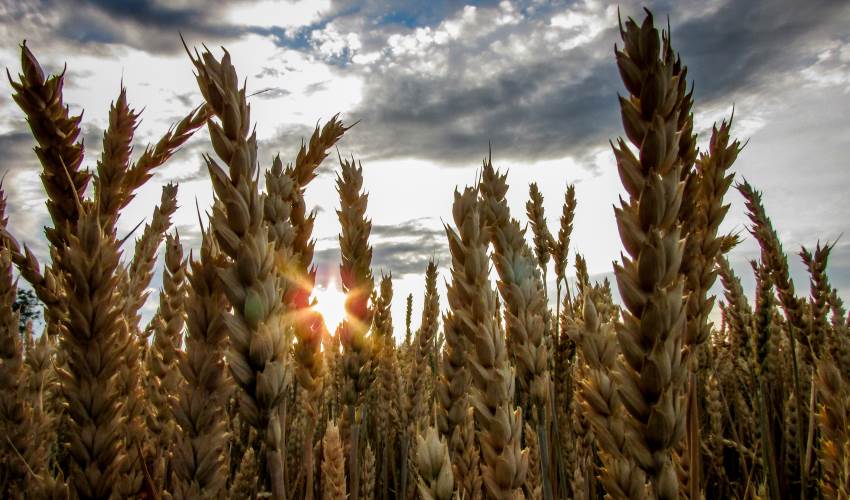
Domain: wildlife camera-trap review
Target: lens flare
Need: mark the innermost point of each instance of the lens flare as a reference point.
(330, 303)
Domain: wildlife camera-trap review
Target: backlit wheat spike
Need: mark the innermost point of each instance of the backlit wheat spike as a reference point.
(94, 326)
(22, 417)
(704, 245)
(302, 172)
(163, 376)
(199, 461)
(436, 481)
(820, 288)
(423, 367)
(473, 303)
(762, 327)
(297, 282)
(602, 405)
(762, 230)
(19, 451)
(739, 313)
(310, 158)
(114, 160)
(140, 272)
(542, 237)
(386, 411)
(333, 466)
(560, 249)
(56, 132)
(454, 377)
(277, 208)
(259, 336)
(521, 288)
(155, 156)
(357, 280)
(408, 317)
(132, 284)
(358, 284)
(652, 375)
(526, 313)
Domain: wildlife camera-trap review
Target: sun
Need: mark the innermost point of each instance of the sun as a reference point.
(330, 303)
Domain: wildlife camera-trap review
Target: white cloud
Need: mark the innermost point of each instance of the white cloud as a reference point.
(330, 43)
(832, 67)
(583, 22)
(276, 13)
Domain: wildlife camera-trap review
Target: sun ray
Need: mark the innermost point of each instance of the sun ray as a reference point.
(330, 303)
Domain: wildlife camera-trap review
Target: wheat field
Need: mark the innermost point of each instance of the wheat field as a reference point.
(239, 388)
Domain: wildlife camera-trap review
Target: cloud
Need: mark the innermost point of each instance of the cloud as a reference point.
(400, 249)
(743, 46)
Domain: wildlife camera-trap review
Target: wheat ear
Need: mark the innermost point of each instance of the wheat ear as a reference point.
(542, 237)
(94, 325)
(60, 152)
(259, 336)
(114, 160)
(163, 375)
(333, 466)
(154, 156)
(435, 470)
(474, 305)
(19, 453)
(651, 336)
(199, 462)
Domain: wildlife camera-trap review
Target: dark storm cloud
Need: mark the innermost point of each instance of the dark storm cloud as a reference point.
(746, 46)
(149, 13)
(548, 103)
(94, 25)
(407, 229)
(17, 150)
(522, 113)
(398, 258)
(403, 248)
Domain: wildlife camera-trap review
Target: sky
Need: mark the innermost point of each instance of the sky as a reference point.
(432, 84)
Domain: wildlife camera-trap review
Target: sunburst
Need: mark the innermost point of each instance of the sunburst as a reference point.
(330, 303)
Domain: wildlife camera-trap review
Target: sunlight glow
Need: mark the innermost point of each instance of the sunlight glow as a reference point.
(330, 303)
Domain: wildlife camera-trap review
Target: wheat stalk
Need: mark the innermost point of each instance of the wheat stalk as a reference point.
(358, 284)
(199, 462)
(56, 132)
(258, 333)
(94, 325)
(652, 333)
(473, 303)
